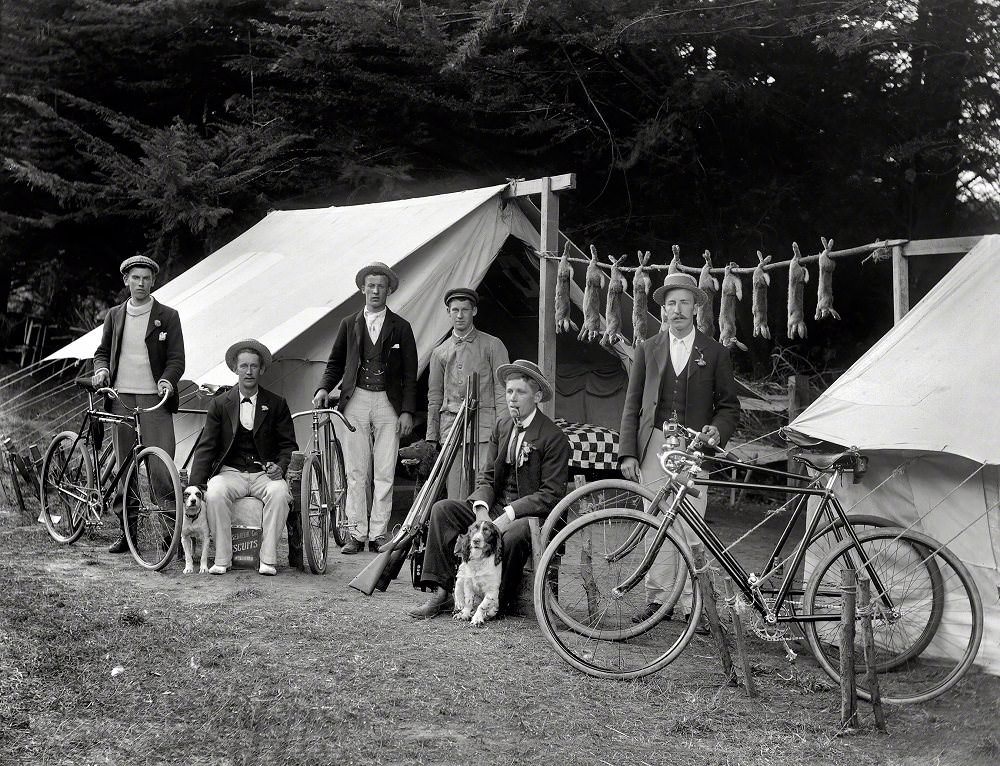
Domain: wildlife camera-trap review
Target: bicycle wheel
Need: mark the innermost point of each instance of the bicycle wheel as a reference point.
(618, 495)
(152, 503)
(65, 487)
(314, 507)
(336, 480)
(575, 581)
(930, 591)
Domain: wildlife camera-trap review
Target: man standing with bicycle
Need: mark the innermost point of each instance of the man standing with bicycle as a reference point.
(465, 351)
(374, 358)
(681, 376)
(244, 451)
(141, 354)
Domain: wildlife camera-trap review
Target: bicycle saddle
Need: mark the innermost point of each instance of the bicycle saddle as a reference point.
(849, 460)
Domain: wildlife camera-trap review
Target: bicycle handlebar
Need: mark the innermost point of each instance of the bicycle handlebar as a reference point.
(113, 394)
(327, 411)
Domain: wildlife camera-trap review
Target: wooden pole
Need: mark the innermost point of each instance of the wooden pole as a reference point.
(711, 610)
(848, 683)
(547, 268)
(868, 635)
(900, 284)
(798, 400)
(740, 638)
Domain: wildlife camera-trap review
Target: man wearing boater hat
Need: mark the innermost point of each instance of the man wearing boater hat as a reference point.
(465, 351)
(681, 376)
(141, 354)
(244, 451)
(524, 475)
(374, 358)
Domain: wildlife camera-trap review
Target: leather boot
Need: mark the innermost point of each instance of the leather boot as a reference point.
(439, 601)
(120, 545)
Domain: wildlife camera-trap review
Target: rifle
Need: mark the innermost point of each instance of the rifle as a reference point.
(384, 568)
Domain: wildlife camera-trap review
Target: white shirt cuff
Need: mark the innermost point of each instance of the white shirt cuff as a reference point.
(479, 504)
(509, 510)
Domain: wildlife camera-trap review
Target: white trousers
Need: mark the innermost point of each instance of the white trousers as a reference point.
(228, 486)
(371, 452)
(668, 566)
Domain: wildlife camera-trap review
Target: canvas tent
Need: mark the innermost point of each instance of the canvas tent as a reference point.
(289, 280)
(923, 405)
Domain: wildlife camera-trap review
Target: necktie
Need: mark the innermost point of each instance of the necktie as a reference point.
(678, 354)
(516, 431)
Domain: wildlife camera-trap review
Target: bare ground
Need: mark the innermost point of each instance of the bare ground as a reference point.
(301, 669)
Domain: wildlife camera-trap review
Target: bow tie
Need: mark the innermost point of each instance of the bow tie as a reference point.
(466, 339)
(246, 400)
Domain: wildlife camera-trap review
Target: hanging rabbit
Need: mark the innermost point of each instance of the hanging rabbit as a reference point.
(564, 276)
(824, 299)
(797, 278)
(732, 291)
(591, 329)
(710, 285)
(675, 262)
(640, 304)
(761, 281)
(613, 310)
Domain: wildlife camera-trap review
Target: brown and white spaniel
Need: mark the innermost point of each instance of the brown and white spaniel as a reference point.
(477, 585)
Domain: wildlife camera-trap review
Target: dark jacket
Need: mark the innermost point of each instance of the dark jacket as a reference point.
(164, 343)
(399, 355)
(273, 432)
(541, 481)
(711, 392)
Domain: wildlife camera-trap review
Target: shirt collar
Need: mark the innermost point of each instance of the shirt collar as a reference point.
(253, 399)
(527, 421)
(467, 338)
(370, 315)
(687, 339)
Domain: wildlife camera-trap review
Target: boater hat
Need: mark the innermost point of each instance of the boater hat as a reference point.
(139, 260)
(528, 369)
(253, 345)
(465, 293)
(377, 267)
(680, 282)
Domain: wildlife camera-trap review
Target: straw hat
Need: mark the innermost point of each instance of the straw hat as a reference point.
(680, 281)
(529, 369)
(253, 345)
(377, 267)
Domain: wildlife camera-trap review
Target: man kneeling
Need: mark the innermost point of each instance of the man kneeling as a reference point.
(244, 451)
(525, 475)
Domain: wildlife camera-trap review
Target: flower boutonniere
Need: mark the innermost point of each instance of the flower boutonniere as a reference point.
(526, 449)
(163, 336)
(156, 323)
(700, 359)
(263, 408)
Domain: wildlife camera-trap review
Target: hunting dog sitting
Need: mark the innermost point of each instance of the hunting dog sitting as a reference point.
(478, 582)
(194, 528)
(418, 458)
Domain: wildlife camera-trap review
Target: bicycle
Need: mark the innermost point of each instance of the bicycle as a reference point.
(322, 491)
(586, 587)
(74, 497)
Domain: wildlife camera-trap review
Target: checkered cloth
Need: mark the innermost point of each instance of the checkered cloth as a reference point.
(591, 447)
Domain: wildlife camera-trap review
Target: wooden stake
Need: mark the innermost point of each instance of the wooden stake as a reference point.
(707, 582)
(741, 640)
(868, 635)
(848, 683)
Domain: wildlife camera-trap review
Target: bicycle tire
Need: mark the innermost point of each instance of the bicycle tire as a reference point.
(314, 507)
(624, 494)
(895, 555)
(158, 509)
(337, 483)
(607, 616)
(59, 477)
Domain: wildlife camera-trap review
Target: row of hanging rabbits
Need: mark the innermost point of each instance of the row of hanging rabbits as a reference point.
(732, 292)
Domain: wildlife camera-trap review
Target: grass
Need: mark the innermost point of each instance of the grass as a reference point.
(302, 670)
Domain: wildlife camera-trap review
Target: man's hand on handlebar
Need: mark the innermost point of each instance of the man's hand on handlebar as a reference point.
(710, 435)
(630, 469)
(320, 399)
(100, 379)
(164, 388)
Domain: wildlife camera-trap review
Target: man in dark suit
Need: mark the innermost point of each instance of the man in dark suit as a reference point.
(244, 451)
(680, 376)
(374, 358)
(141, 354)
(525, 475)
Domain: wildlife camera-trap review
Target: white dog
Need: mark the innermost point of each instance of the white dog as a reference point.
(194, 528)
(478, 580)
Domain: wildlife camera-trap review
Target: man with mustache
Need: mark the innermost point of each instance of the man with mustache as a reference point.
(524, 475)
(680, 376)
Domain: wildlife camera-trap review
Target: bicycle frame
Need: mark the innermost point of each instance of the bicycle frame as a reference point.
(748, 582)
